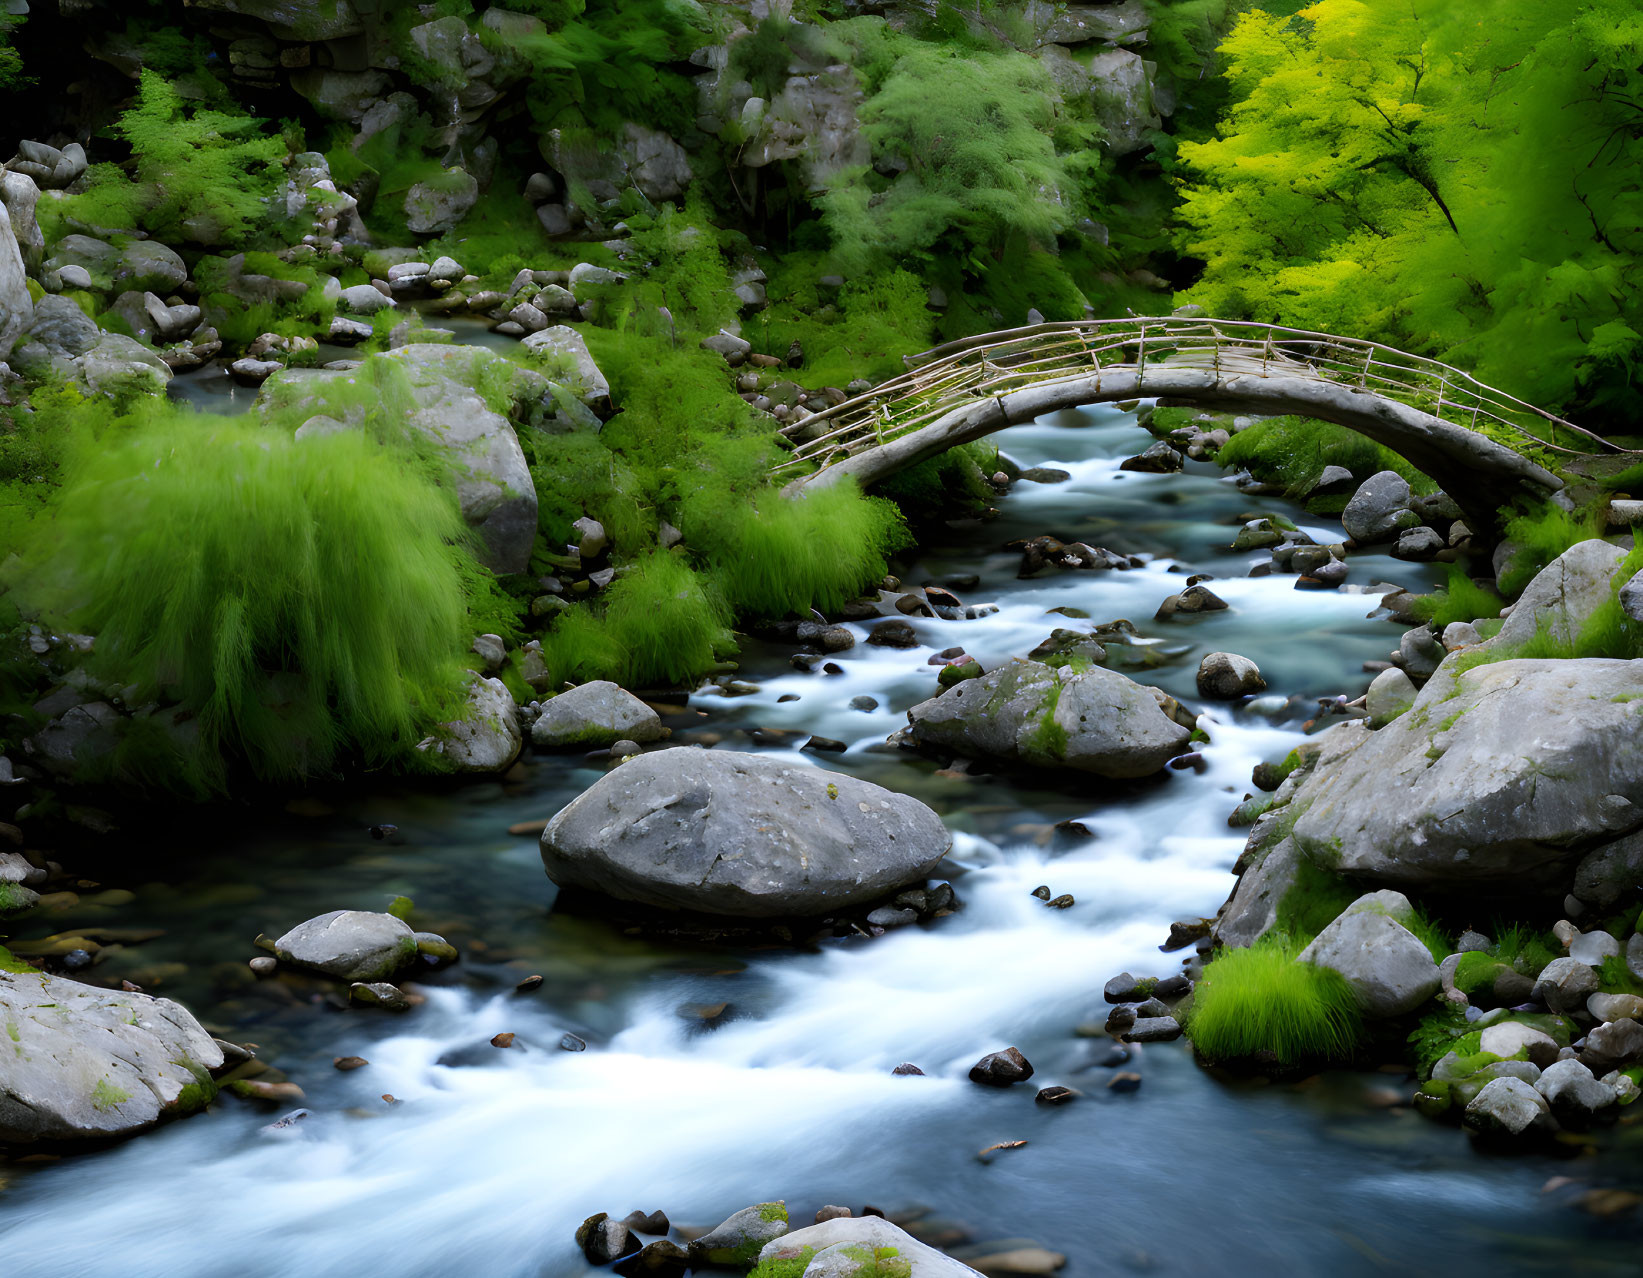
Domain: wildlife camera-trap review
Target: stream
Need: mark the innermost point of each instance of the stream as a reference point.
(488, 1159)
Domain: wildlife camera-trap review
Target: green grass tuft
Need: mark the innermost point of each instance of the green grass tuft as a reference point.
(1540, 537)
(304, 598)
(1261, 1000)
(1460, 599)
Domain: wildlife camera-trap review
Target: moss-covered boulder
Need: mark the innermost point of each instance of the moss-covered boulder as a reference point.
(857, 1247)
(81, 1063)
(595, 714)
(1090, 720)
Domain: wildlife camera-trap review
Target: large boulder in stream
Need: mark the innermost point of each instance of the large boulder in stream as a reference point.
(849, 1245)
(351, 945)
(1092, 720)
(746, 835)
(1505, 774)
(82, 1063)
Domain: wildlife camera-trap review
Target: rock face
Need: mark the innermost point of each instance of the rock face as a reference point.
(83, 1063)
(736, 834)
(1387, 967)
(843, 1244)
(595, 714)
(351, 945)
(1432, 798)
(1563, 596)
(1094, 720)
(16, 306)
(493, 481)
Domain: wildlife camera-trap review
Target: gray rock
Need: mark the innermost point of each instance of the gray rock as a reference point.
(734, 349)
(381, 994)
(1121, 93)
(839, 1243)
(1509, 1107)
(1631, 598)
(351, 945)
(1001, 1069)
(1386, 965)
(1092, 721)
(1572, 1092)
(487, 466)
(1225, 676)
(1252, 909)
(595, 714)
(1564, 984)
(1563, 596)
(364, 299)
(743, 1235)
(16, 306)
(1420, 652)
(61, 328)
(1379, 509)
(1460, 634)
(122, 367)
(147, 266)
(736, 834)
(1615, 1045)
(487, 739)
(563, 356)
(1153, 1029)
(1419, 544)
(1508, 1038)
(50, 168)
(21, 196)
(1391, 693)
(1432, 799)
(1614, 1007)
(89, 1064)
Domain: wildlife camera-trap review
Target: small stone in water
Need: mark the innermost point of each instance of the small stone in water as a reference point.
(502, 1040)
(832, 1212)
(654, 1223)
(1042, 892)
(528, 984)
(1116, 1055)
(1124, 1083)
(1055, 1095)
(1001, 1069)
(864, 703)
(1062, 902)
(888, 916)
(660, 1259)
(603, 1240)
(1003, 1144)
(832, 668)
(346, 1063)
(1121, 1019)
(384, 831)
(74, 960)
(906, 1068)
(570, 1043)
(263, 965)
(1154, 1029)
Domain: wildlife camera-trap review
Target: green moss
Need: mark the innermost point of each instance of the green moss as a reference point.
(14, 897)
(1261, 1000)
(1615, 978)
(105, 1096)
(1314, 900)
(784, 1267)
(194, 1096)
(1476, 971)
(9, 962)
(1437, 1034)
(1460, 599)
(773, 1211)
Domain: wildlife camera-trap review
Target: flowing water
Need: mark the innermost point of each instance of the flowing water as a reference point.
(489, 1158)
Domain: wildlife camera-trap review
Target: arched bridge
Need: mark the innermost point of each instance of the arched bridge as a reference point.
(1475, 441)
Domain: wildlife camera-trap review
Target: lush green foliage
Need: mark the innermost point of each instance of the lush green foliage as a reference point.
(1460, 599)
(304, 598)
(1540, 537)
(1260, 1000)
(660, 624)
(1293, 451)
(975, 137)
(1457, 178)
(201, 175)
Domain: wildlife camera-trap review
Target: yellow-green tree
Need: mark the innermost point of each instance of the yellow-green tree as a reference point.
(1460, 177)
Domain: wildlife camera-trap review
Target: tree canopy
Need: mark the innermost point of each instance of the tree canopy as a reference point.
(1463, 178)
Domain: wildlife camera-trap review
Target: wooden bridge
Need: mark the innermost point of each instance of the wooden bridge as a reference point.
(1477, 442)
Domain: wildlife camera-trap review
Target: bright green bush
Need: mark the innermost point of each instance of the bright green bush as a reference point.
(1540, 537)
(1261, 1000)
(660, 623)
(1459, 599)
(1293, 451)
(772, 555)
(201, 175)
(303, 597)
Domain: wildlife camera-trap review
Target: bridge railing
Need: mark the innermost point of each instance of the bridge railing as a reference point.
(949, 376)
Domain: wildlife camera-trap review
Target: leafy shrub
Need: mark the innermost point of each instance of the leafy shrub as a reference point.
(660, 624)
(1540, 537)
(1459, 599)
(303, 597)
(1293, 451)
(1260, 1000)
(202, 175)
